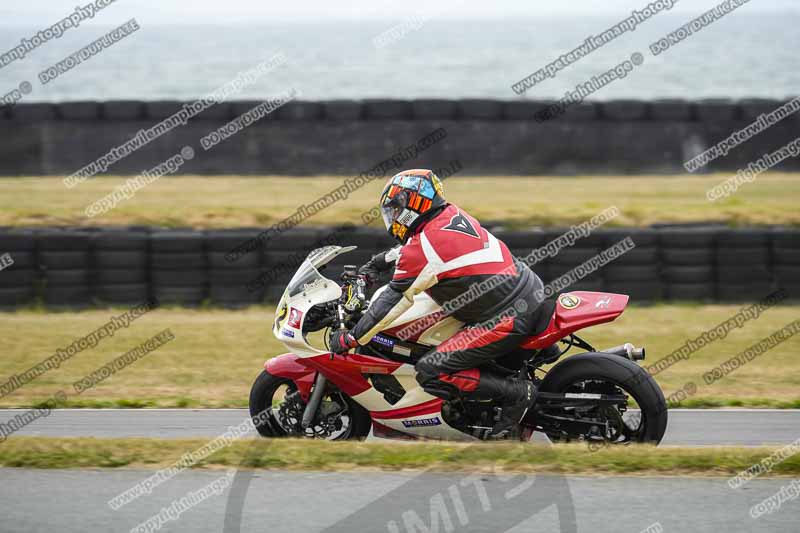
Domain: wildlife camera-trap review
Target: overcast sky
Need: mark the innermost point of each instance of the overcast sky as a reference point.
(252, 11)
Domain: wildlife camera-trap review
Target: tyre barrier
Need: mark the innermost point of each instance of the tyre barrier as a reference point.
(671, 110)
(228, 279)
(742, 264)
(75, 268)
(299, 111)
(342, 110)
(477, 109)
(785, 254)
(35, 113)
(79, 110)
(178, 267)
(123, 110)
(17, 279)
(120, 274)
(159, 110)
(688, 259)
(625, 110)
(64, 265)
(435, 109)
(387, 109)
(503, 137)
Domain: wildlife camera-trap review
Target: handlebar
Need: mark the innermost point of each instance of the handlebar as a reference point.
(354, 289)
(334, 314)
(354, 295)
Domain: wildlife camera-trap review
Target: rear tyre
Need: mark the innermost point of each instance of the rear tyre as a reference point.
(275, 404)
(574, 373)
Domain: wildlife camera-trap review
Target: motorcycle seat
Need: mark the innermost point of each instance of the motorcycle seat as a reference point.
(544, 314)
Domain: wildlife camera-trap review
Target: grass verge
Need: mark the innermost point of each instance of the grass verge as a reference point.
(37, 452)
(236, 201)
(217, 354)
(189, 403)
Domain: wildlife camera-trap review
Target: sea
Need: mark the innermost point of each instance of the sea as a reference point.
(752, 56)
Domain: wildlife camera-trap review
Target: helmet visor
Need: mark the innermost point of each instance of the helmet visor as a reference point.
(390, 214)
(391, 209)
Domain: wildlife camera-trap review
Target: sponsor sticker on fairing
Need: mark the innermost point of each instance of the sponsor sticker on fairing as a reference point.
(603, 303)
(383, 341)
(422, 422)
(569, 301)
(295, 317)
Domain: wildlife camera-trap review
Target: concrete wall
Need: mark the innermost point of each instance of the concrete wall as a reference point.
(347, 137)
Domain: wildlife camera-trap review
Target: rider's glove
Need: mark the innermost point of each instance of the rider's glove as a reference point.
(342, 341)
(372, 269)
(379, 263)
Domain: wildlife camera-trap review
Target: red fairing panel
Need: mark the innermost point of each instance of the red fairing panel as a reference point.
(592, 308)
(426, 408)
(346, 372)
(385, 432)
(287, 366)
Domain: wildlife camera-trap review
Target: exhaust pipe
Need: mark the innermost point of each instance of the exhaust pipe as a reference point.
(627, 350)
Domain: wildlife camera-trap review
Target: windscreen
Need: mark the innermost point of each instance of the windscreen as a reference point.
(306, 278)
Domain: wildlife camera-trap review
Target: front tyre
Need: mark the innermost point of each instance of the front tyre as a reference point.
(606, 373)
(277, 411)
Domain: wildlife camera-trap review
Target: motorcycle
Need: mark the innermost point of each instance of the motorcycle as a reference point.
(600, 396)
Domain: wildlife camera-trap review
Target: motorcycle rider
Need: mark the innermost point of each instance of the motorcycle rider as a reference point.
(446, 252)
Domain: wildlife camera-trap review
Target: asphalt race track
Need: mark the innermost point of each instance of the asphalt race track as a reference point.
(76, 501)
(687, 427)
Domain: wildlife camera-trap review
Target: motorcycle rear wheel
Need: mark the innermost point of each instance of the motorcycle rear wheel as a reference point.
(575, 372)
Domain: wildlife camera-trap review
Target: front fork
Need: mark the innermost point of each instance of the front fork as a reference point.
(313, 402)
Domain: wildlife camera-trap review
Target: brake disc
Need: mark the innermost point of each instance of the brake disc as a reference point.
(290, 414)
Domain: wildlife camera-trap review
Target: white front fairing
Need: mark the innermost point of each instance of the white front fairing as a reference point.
(308, 288)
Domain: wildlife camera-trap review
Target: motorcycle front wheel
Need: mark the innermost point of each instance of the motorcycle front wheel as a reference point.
(277, 405)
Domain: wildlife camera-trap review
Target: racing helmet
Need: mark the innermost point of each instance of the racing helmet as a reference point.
(410, 198)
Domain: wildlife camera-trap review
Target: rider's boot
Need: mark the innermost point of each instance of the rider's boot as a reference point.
(518, 396)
